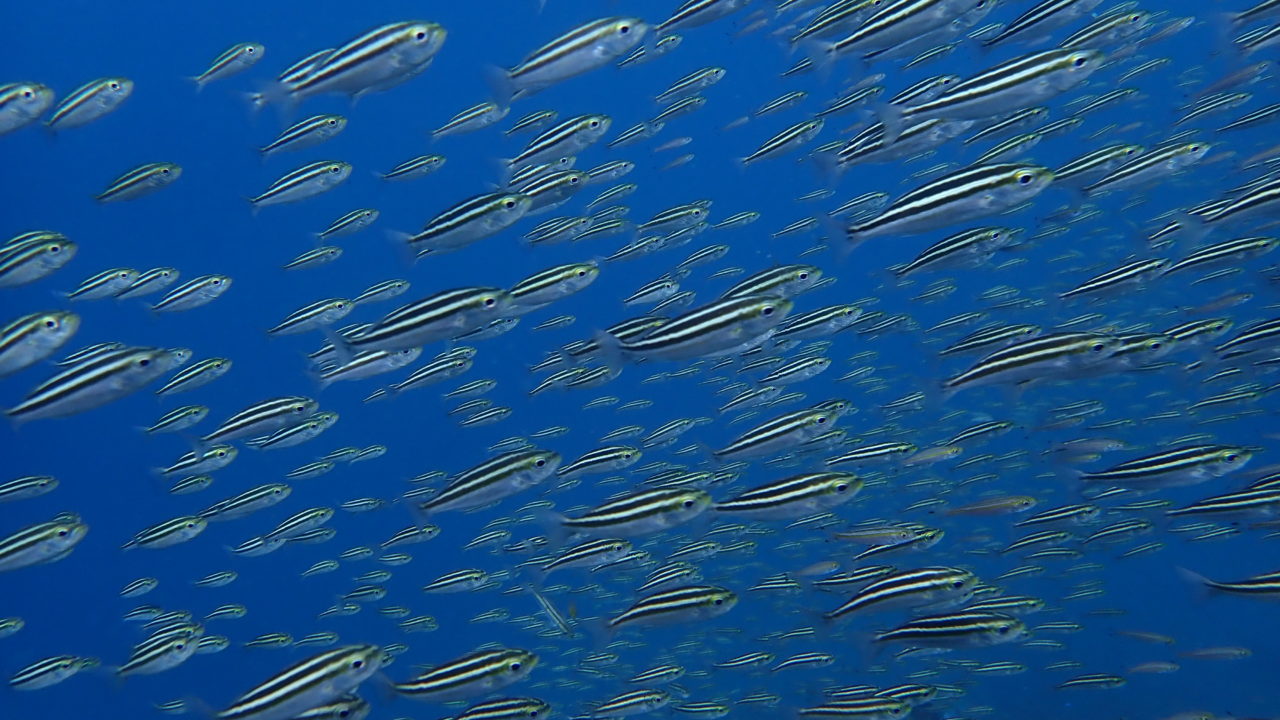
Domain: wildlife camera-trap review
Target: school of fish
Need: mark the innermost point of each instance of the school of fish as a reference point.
(1036, 371)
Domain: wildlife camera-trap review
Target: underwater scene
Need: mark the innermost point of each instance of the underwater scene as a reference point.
(593, 359)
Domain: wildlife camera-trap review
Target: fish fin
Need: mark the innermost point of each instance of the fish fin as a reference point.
(599, 631)
(552, 524)
(340, 345)
(821, 53)
(829, 168)
(1201, 583)
(611, 352)
(1192, 228)
(501, 86)
(893, 118)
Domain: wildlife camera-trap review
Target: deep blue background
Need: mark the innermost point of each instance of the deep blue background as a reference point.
(203, 225)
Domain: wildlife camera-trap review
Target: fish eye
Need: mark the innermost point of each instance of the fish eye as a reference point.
(344, 713)
(1004, 629)
(595, 123)
(719, 601)
(51, 323)
(164, 171)
(114, 86)
(63, 533)
(624, 29)
(144, 362)
(767, 310)
(687, 503)
(1097, 347)
(55, 248)
(490, 302)
(533, 713)
(573, 179)
(842, 487)
(1231, 457)
(515, 666)
(1025, 178)
(1157, 345)
(1080, 61)
(250, 50)
(957, 584)
(357, 664)
(509, 204)
(820, 419)
(217, 281)
(803, 276)
(334, 168)
(540, 462)
(27, 94)
(333, 122)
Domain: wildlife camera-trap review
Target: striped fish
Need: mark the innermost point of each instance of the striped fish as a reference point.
(193, 293)
(1188, 465)
(246, 503)
(473, 118)
(584, 48)
(140, 181)
(493, 480)
(307, 181)
(720, 328)
(1054, 356)
(21, 103)
(781, 433)
(374, 61)
(962, 629)
(233, 60)
(42, 543)
(475, 674)
(262, 418)
(104, 284)
(966, 194)
(148, 282)
(640, 513)
(90, 102)
(927, 588)
(93, 383)
(471, 220)
(563, 140)
(600, 460)
(696, 13)
(418, 167)
(306, 684)
(1042, 19)
(25, 488)
(795, 496)
(24, 261)
(1022, 82)
(198, 375)
(683, 604)
(50, 671)
(306, 133)
(34, 337)
(506, 709)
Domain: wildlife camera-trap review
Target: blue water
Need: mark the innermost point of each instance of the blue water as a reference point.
(202, 224)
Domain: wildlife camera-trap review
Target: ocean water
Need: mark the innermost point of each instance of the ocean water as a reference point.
(202, 224)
